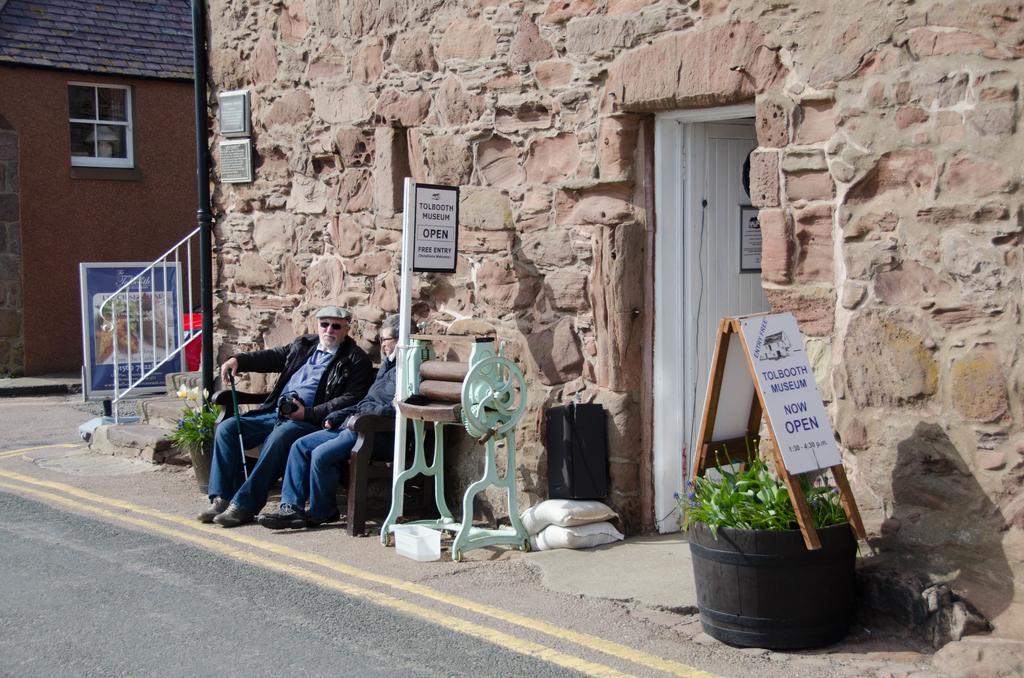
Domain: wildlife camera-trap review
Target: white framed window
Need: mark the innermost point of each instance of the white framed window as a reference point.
(100, 118)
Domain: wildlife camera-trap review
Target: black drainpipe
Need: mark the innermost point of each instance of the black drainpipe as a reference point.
(203, 217)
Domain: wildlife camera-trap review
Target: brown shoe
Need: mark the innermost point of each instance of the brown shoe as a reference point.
(217, 506)
(234, 516)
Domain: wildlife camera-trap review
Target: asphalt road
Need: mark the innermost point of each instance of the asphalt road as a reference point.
(80, 597)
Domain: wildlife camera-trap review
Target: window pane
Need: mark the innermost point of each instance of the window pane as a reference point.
(81, 140)
(81, 102)
(112, 104)
(111, 141)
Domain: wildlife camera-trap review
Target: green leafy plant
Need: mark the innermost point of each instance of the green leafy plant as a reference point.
(753, 498)
(198, 420)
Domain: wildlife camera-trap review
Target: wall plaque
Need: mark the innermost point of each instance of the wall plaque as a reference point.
(236, 161)
(233, 108)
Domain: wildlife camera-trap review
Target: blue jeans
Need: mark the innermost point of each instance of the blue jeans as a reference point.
(227, 478)
(314, 467)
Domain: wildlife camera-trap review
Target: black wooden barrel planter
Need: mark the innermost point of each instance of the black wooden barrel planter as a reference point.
(764, 588)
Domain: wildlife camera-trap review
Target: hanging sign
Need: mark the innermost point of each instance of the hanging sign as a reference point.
(791, 399)
(436, 228)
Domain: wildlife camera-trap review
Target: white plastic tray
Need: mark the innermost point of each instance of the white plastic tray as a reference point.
(417, 542)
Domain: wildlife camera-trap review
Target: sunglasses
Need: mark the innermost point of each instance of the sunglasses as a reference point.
(333, 326)
(383, 338)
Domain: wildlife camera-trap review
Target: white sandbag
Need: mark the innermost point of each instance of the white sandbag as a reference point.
(564, 513)
(579, 537)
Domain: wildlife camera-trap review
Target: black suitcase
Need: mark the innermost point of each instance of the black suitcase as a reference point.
(577, 441)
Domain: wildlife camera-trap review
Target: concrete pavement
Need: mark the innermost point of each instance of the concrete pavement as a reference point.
(660, 573)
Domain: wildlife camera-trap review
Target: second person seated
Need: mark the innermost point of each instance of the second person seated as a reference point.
(315, 460)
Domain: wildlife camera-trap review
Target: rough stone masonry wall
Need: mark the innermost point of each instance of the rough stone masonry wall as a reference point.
(886, 171)
(888, 176)
(897, 231)
(349, 97)
(12, 359)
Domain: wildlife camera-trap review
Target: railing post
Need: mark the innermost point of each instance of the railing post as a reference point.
(204, 219)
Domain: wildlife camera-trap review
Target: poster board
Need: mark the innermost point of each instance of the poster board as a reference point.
(435, 228)
(761, 360)
(160, 333)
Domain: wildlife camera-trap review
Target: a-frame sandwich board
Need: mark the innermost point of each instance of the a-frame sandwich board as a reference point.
(759, 367)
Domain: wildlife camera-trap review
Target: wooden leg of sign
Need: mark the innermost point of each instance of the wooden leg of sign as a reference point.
(796, 495)
(754, 421)
(707, 427)
(803, 511)
(849, 504)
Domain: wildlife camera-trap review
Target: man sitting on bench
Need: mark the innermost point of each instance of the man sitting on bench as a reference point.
(319, 374)
(315, 460)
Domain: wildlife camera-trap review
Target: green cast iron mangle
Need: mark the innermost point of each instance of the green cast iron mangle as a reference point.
(487, 396)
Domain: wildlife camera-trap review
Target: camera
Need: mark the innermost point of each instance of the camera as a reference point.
(286, 404)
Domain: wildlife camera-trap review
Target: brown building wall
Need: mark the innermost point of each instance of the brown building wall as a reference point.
(69, 216)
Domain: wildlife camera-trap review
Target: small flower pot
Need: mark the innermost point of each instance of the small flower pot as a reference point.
(201, 459)
(764, 588)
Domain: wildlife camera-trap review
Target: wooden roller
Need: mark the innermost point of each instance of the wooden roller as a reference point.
(443, 370)
(441, 391)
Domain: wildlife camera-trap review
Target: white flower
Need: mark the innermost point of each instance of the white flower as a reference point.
(183, 392)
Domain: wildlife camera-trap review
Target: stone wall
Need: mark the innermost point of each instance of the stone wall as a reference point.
(886, 175)
(350, 98)
(11, 331)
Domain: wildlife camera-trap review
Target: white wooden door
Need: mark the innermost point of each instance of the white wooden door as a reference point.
(715, 285)
(699, 194)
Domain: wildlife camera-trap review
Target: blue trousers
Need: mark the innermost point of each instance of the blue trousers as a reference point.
(227, 479)
(314, 467)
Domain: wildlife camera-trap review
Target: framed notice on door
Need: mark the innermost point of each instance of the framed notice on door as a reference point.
(750, 240)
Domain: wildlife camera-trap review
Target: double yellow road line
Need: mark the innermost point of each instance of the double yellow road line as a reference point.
(17, 453)
(169, 525)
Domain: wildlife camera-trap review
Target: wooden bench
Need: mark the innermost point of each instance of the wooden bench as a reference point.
(363, 464)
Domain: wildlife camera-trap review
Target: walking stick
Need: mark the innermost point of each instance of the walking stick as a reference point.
(238, 422)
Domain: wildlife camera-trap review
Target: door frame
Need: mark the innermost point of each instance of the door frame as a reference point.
(673, 331)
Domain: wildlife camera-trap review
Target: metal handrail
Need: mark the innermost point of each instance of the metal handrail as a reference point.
(131, 294)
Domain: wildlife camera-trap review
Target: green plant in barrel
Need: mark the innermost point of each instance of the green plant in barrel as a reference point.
(753, 498)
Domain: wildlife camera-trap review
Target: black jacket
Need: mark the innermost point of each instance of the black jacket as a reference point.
(380, 400)
(344, 382)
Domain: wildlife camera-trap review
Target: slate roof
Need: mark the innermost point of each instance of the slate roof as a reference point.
(147, 38)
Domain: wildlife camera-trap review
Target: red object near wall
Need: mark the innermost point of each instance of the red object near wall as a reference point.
(194, 348)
